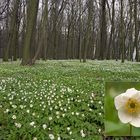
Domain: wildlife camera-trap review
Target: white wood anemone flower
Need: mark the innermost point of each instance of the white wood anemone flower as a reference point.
(128, 106)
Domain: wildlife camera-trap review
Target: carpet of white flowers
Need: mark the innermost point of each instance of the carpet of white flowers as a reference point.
(57, 100)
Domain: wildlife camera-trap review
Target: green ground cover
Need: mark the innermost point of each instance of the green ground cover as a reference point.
(57, 99)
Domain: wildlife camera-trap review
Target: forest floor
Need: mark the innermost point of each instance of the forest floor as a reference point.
(57, 99)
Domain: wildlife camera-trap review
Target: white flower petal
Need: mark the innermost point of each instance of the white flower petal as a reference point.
(137, 96)
(135, 121)
(124, 116)
(120, 101)
(131, 92)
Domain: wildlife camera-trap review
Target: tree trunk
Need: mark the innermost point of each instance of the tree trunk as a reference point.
(122, 33)
(31, 22)
(88, 30)
(103, 30)
(136, 30)
(43, 35)
(6, 48)
(109, 48)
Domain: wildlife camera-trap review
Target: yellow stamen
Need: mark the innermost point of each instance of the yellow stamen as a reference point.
(132, 106)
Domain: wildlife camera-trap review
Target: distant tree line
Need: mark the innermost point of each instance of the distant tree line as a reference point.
(69, 29)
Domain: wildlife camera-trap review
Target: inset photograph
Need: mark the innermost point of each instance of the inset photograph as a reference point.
(122, 109)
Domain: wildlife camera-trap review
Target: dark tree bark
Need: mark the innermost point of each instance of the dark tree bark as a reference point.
(122, 34)
(88, 30)
(109, 48)
(136, 30)
(6, 48)
(103, 33)
(130, 32)
(31, 22)
(43, 36)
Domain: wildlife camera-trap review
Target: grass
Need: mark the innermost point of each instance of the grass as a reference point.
(57, 99)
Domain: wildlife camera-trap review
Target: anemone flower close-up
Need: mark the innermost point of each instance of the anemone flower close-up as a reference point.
(128, 107)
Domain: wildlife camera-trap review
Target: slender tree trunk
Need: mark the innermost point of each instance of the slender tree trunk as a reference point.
(130, 30)
(88, 31)
(103, 30)
(122, 33)
(68, 38)
(6, 48)
(67, 44)
(16, 23)
(136, 30)
(43, 35)
(109, 48)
